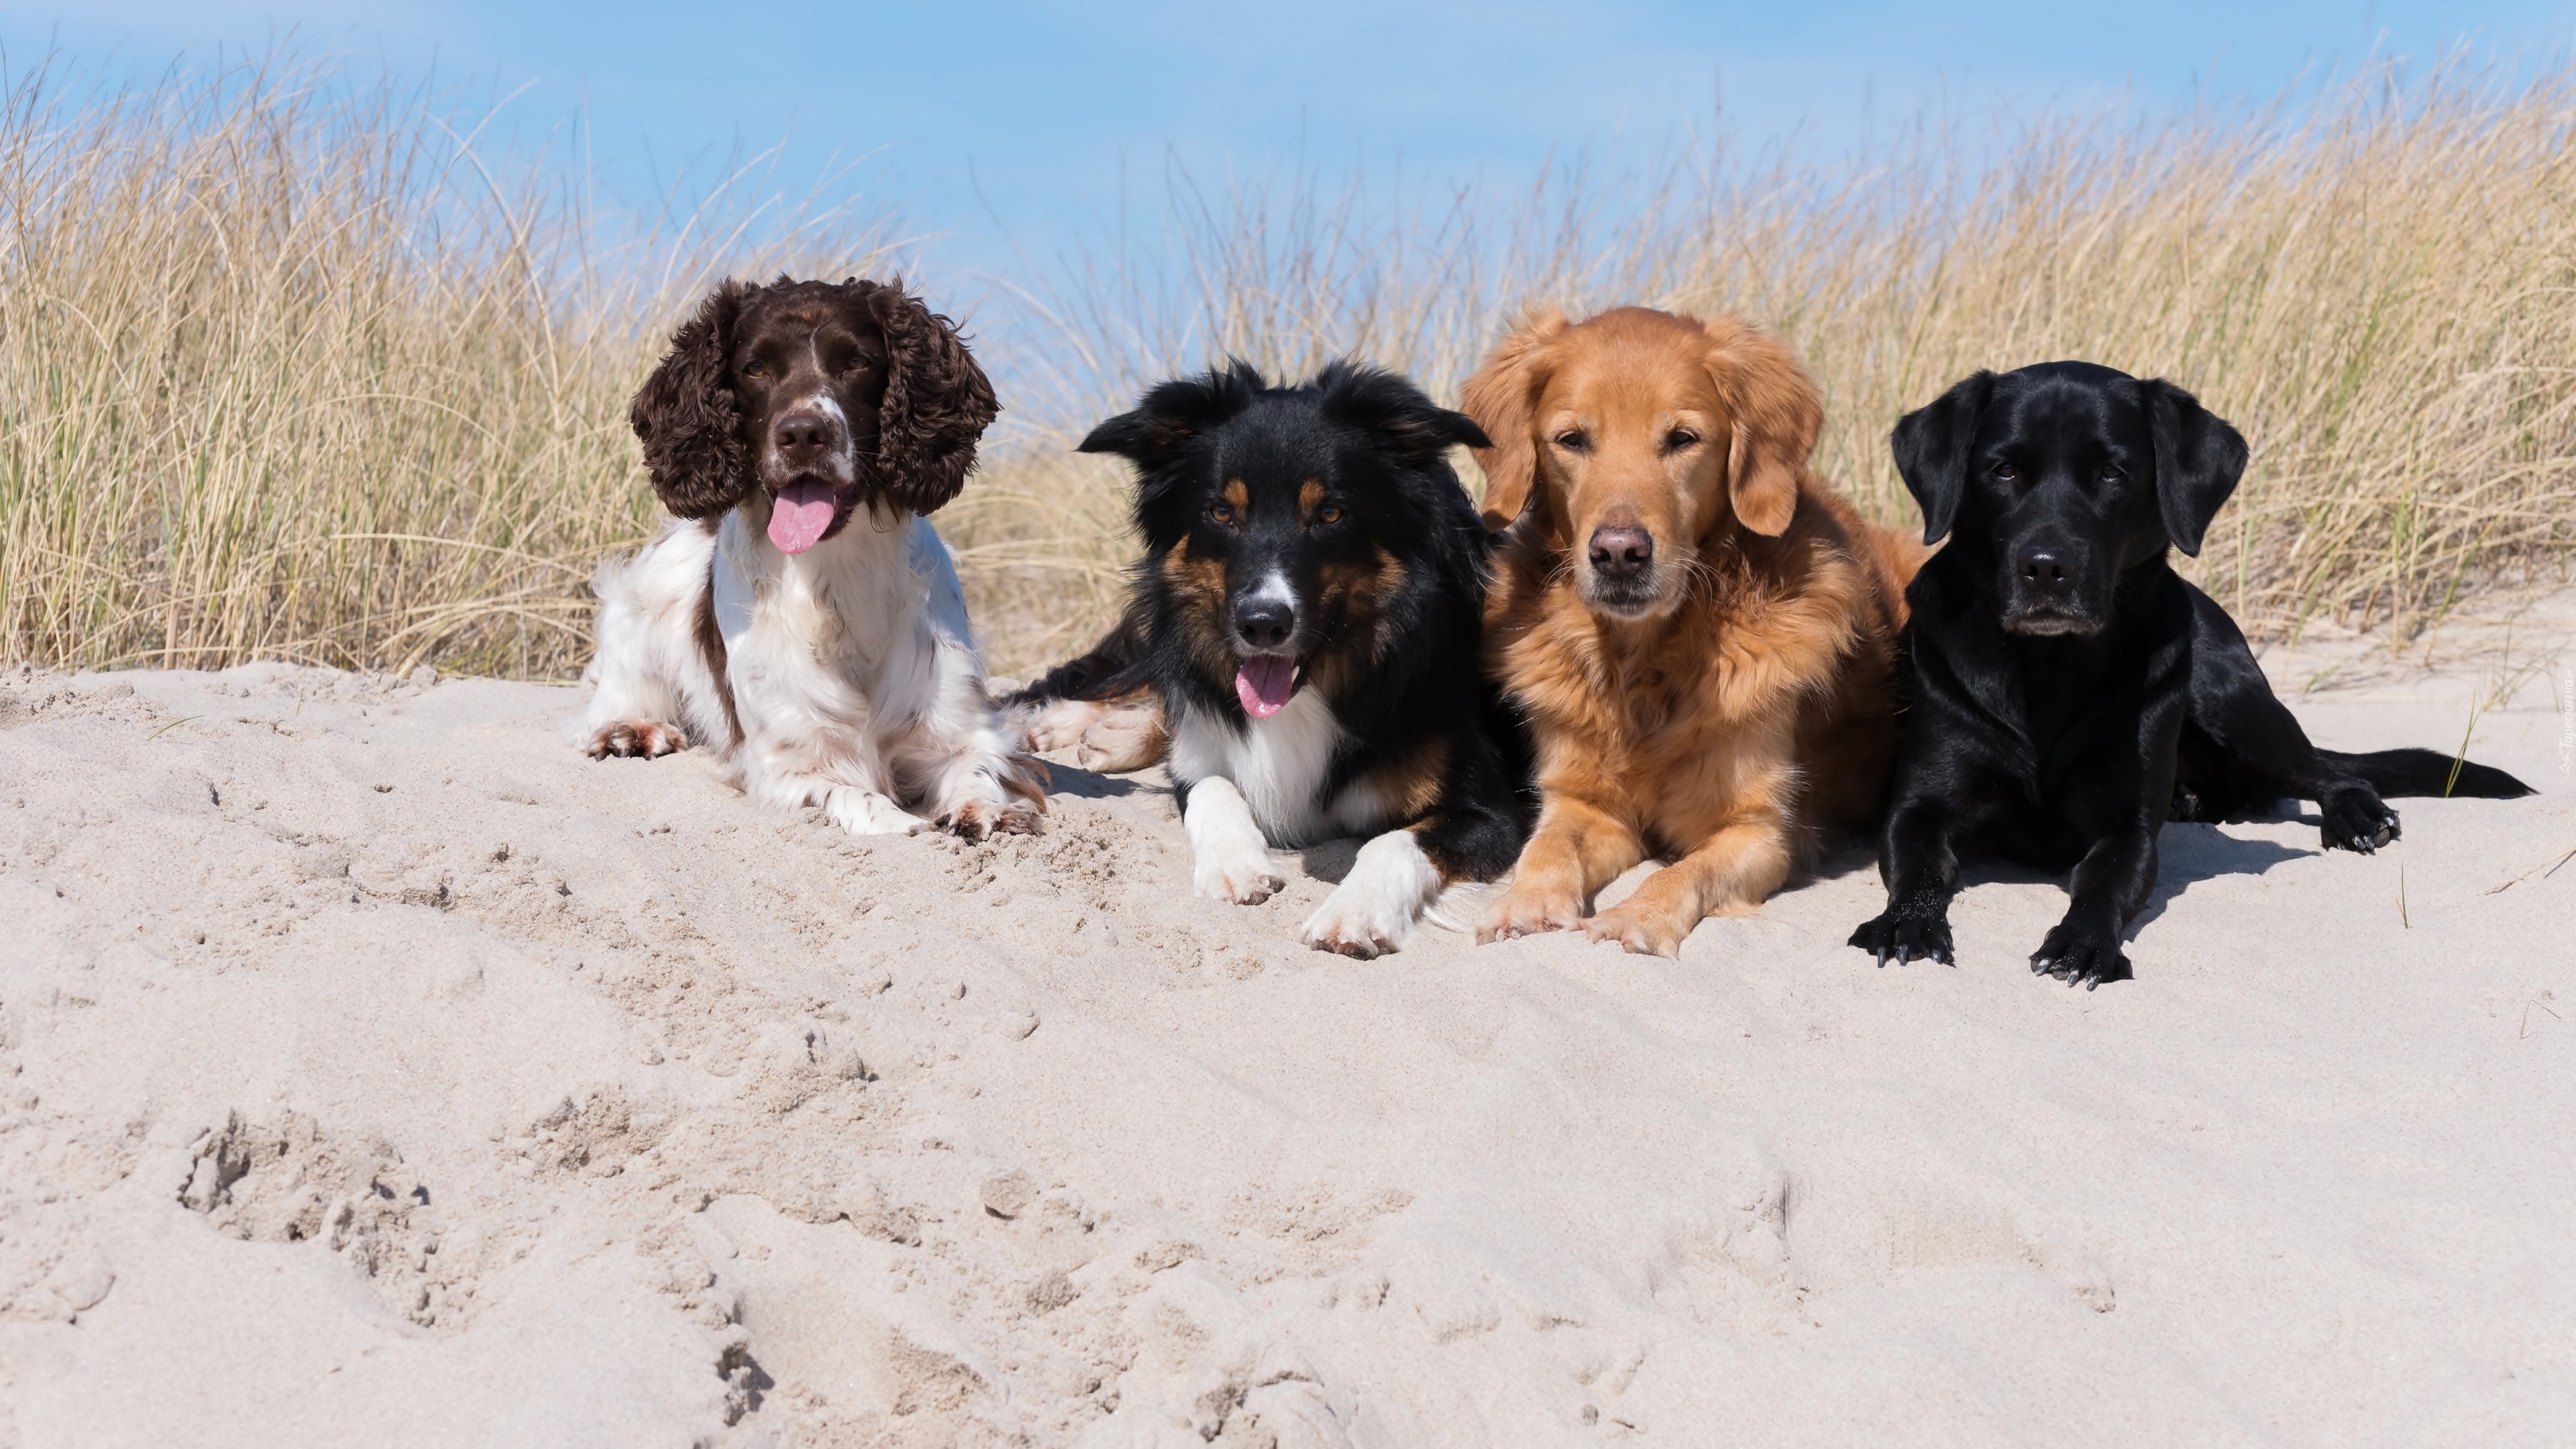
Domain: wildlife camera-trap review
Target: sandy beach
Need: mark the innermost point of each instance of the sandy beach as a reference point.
(374, 1068)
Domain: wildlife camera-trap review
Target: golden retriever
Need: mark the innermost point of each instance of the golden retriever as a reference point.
(1701, 631)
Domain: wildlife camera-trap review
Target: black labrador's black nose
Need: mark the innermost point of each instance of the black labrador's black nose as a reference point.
(2044, 569)
(1621, 553)
(803, 437)
(1265, 623)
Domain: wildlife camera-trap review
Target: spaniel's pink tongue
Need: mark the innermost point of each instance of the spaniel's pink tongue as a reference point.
(799, 516)
(1264, 685)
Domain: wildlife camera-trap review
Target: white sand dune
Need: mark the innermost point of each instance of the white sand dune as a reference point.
(375, 1069)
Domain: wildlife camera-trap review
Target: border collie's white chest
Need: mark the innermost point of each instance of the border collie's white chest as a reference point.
(1280, 765)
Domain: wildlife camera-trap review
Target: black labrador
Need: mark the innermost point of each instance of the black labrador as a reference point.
(2069, 692)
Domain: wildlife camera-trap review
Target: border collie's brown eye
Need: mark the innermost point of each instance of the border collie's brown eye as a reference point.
(1572, 440)
(1678, 439)
(1221, 513)
(1329, 513)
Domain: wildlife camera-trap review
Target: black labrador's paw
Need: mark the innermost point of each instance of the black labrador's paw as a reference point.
(2186, 803)
(2356, 819)
(1907, 933)
(2080, 955)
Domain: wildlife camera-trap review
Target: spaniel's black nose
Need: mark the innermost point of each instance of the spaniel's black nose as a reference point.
(804, 438)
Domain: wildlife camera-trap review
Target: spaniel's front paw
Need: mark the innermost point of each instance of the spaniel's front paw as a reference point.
(865, 812)
(976, 819)
(636, 739)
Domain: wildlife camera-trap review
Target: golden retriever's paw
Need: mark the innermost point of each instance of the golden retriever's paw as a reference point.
(975, 819)
(1125, 738)
(1648, 933)
(636, 739)
(1529, 913)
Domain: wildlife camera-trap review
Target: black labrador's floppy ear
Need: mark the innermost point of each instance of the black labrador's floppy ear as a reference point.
(1417, 429)
(686, 417)
(937, 401)
(1931, 445)
(2199, 458)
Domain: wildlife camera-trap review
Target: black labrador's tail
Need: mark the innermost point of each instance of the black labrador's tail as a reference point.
(2426, 772)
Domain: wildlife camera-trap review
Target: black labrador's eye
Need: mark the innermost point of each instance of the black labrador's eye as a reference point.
(1329, 513)
(1680, 438)
(2007, 473)
(2111, 473)
(1572, 440)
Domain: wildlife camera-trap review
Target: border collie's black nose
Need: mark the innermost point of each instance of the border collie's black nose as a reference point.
(1621, 553)
(1265, 623)
(803, 437)
(2044, 568)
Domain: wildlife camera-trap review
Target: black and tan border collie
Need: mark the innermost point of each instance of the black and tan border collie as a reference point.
(1307, 611)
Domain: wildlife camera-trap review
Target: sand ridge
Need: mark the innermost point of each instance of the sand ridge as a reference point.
(372, 1065)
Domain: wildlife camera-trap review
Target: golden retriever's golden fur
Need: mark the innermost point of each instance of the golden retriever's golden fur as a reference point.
(1701, 630)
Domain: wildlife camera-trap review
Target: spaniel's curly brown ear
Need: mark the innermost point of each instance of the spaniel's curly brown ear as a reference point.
(937, 401)
(1502, 397)
(686, 417)
(1776, 412)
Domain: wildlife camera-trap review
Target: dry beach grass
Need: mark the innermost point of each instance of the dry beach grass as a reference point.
(286, 372)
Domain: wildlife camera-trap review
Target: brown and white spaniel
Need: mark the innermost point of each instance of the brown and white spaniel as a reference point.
(801, 616)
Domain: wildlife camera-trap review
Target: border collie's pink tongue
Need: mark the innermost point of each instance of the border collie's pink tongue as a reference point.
(799, 516)
(1264, 685)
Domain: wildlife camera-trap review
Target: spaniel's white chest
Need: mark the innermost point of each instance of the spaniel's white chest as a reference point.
(845, 631)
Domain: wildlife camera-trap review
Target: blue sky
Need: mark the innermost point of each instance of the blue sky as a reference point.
(1013, 129)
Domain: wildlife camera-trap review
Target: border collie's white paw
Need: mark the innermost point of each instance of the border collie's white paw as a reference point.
(1232, 859)
(1371, 912)
(1241, 876)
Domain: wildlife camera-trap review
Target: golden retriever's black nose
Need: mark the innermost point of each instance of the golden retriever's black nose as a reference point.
(1621, 553)
(1265, 623)
(803, 437)
(2045, 570)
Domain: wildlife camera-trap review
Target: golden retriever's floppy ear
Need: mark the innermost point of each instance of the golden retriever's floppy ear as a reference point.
(1499, 397)
(1777, 414)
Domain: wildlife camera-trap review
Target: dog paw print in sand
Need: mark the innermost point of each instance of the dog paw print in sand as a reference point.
(52, 1266)
(290, 1181)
